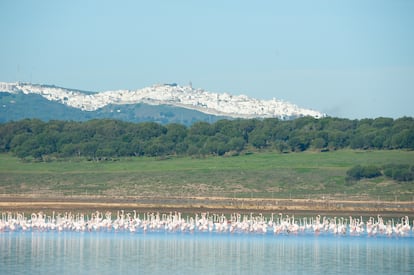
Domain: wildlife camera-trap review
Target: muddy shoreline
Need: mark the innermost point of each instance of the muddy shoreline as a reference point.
(88, 204)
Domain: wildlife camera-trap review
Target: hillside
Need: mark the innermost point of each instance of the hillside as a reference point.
(17, 106)
(169, 103)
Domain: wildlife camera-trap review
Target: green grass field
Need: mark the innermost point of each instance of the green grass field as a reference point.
(258, 175)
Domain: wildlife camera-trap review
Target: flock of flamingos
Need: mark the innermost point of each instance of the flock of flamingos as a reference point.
(204, 222)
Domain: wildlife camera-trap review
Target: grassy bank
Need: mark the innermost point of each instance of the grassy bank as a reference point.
(260, 175)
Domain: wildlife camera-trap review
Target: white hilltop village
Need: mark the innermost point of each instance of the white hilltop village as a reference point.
(220, 104)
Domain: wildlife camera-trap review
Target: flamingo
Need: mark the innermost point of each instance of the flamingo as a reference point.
(203, 222)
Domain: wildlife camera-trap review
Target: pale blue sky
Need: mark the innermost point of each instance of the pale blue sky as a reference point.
(351, 58)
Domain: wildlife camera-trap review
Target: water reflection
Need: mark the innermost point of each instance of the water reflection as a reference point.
(176, 253)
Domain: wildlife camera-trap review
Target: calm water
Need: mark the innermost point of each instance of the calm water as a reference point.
(203, 253)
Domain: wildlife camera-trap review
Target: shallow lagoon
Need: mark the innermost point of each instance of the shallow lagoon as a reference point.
(36, 252)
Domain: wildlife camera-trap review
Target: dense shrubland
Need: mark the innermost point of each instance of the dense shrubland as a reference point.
(99, 139)
(398, 172)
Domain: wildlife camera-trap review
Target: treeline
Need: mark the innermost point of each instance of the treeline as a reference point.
(99, 139)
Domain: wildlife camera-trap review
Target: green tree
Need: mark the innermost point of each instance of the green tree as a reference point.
(201, 128)
(236, 144)
(258, 138)
(176, 132)
(318, 143)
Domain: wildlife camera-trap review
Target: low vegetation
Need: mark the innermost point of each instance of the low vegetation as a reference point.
(308, 175)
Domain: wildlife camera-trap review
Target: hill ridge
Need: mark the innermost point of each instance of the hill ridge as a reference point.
(212, 103)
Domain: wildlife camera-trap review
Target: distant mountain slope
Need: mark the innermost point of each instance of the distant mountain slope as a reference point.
(162, 103)
(20, 106)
